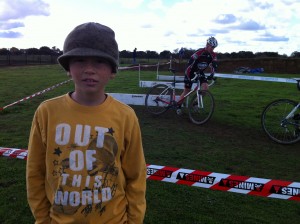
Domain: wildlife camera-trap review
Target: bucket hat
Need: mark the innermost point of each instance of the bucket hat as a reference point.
(90, 39)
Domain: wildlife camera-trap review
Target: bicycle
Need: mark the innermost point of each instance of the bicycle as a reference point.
(280, 120)
(162, 97)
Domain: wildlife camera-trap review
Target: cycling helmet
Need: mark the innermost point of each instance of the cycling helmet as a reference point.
(212, 42)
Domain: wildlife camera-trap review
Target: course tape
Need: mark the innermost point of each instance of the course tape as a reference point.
(64, 82)
(13, 153)
(232, 76)
(216, 181)
(35, 94)
(226, 182)
(141, 66)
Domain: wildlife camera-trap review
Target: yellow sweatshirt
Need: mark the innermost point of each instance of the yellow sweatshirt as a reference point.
(86, 163)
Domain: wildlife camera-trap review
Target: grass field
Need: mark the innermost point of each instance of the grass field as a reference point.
(232, 142)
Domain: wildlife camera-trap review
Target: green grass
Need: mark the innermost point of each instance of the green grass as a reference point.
(232, 142)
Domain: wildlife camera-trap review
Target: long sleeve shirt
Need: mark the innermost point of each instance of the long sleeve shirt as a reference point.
(200, 61)
(86, 163)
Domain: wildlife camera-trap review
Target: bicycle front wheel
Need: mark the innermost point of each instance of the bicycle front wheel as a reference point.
(158, 99)
(277, 126)
(201, 107)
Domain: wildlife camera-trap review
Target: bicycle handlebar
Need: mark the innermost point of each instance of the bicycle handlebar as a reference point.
(298, 83)
(198, 75)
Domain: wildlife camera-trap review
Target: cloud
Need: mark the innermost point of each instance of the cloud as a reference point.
(271, 38)
(225, 19)
(193, 35)
(157, 25)
(10, 34)
(128, 4)
(156, 4)
(12, 11)
(19, 9)
(223, 31)
(249, 25)
(147, 26)
(169, 33)
(262, 5)
(10, 25)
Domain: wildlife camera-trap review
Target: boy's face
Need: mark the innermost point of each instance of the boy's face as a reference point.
(90, 74)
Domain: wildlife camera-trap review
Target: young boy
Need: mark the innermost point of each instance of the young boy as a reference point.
(85, 156)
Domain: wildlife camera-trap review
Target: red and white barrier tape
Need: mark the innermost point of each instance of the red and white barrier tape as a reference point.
(64, 82)
(226, 182)
(216, 181)
(13, 153)
(36, 94)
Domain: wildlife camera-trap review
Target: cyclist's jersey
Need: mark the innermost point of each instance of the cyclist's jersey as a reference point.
(199, 61)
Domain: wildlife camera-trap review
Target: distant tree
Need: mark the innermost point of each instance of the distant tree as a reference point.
(175, 51)
(4, 51)
(246, 54)
(56, 51)
(23, 51)
(141, 54)
(125, 54)
(189, 52)
(165, 54)
(223, 56)
(33, 51)
(266, 54)
(46, 51)
(295, 54)
(15, 51)
(151, 54)
(234, 55)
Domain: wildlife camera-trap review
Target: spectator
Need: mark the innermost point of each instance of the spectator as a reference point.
(85, 157)
(134, 56)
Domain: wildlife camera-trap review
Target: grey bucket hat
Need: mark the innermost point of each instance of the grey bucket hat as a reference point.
(91, 39)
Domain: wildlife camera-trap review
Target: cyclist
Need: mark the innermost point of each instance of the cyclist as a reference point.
(199, 61)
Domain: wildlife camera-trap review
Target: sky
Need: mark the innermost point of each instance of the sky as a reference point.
(157, 25)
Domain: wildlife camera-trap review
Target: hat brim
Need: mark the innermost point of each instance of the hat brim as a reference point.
(63, 60)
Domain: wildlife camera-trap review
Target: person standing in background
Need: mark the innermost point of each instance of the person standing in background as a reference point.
(134, 56)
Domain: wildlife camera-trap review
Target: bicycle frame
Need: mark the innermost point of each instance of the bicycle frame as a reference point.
(290, 115)
(173, 101)
(197, 88)
(293, 111)
(162, 97)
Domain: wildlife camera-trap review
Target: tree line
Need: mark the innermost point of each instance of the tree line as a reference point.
(54, 51)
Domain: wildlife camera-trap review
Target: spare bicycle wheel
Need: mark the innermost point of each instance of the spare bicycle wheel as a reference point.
(277, 126)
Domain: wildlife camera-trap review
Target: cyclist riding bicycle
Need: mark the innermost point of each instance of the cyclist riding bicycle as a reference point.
(200, 61)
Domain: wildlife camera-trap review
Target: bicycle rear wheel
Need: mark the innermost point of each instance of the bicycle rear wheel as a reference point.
(158, 99)
(201, 112)
(275, 124)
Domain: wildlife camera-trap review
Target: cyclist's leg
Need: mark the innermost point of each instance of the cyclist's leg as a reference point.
(187, 88)
(204, 82)
(204, 85)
